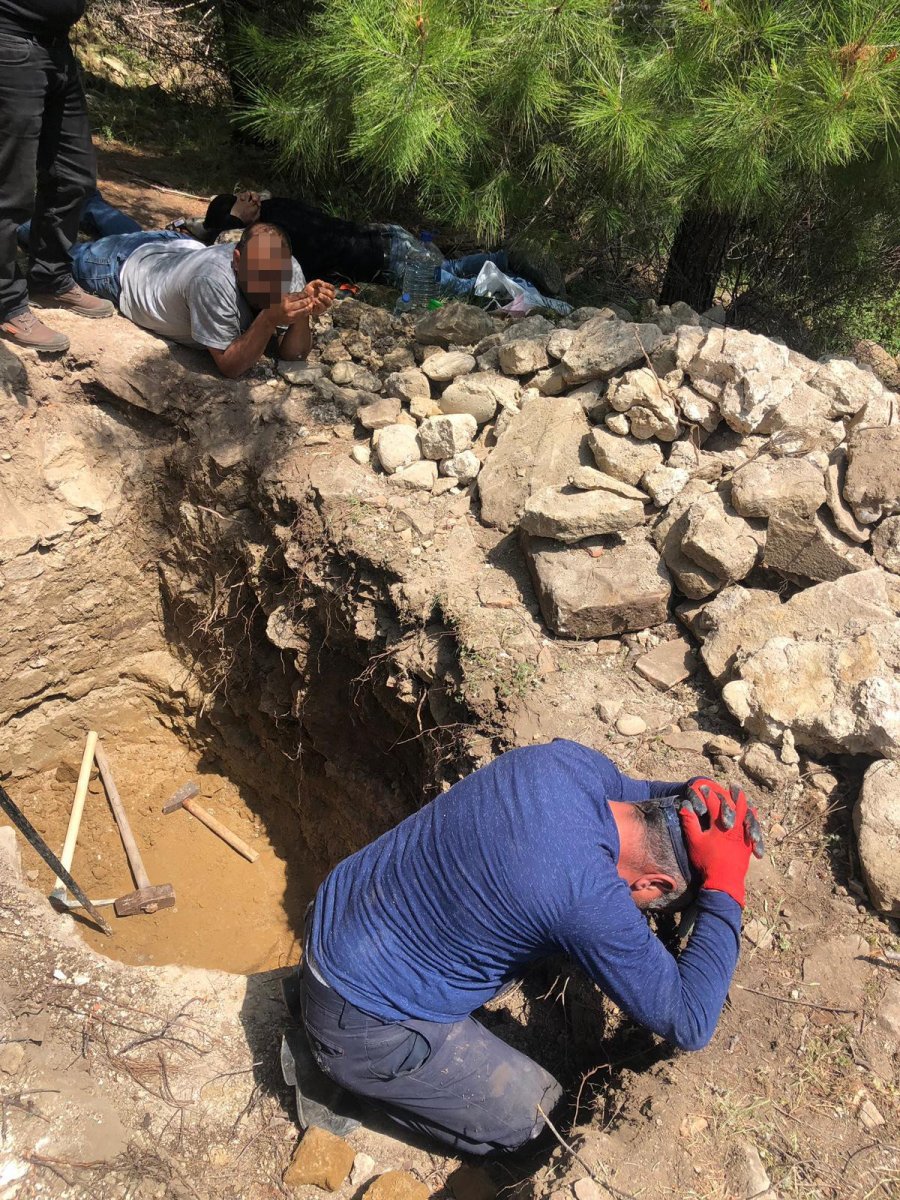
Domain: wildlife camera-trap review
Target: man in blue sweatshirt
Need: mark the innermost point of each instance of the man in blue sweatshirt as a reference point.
(548, 849)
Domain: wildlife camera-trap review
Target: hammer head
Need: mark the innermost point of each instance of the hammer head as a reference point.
(145, 900)
(185, 792)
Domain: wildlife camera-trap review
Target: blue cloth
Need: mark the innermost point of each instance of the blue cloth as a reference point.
(97, 266)
(98, 219)
(512, 864)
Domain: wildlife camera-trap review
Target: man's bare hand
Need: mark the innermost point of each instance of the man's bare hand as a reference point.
(321, 294)
(290, 308)
(246, 207)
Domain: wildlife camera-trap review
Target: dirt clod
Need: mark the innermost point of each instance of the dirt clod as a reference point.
(321, 1160)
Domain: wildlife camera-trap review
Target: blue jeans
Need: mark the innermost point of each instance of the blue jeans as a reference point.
(97, 266)
(98, 219)
(456, 1082)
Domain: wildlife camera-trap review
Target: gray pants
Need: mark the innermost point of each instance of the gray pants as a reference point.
(455, 1082)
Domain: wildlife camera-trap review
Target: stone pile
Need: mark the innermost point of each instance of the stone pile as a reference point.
(659, 463)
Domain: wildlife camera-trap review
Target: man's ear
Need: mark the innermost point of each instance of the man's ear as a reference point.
(652, 885)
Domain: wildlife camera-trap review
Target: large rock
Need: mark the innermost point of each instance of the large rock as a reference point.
(396, 446)
(442, 437)
(738, 617)
(586, 594)
(407, 384)
(570, 515)
(876, 820)
(841, 513)
(848, 387)
(321, 1160)
(871, 355)
(447, 365)
(649, 404)
(625, 458)
(824, 665)
(454, 324)
(747, 375)
(770, 487)
(873, 473)
(886, 544)
(602, 347)
(808, 548)
(523, 356)
(480, 395)
(720, 541)
(691, 578)
(541, 447)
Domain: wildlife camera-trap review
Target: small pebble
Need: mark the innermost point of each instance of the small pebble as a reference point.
(631, 726)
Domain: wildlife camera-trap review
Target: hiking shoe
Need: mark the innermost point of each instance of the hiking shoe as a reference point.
(26, 330)
(77, 300)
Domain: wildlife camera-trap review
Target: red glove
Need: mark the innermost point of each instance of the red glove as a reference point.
(720, 851)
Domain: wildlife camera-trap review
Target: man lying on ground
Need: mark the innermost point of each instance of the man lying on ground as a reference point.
(326, 247)
(548, 849)
(229, 300)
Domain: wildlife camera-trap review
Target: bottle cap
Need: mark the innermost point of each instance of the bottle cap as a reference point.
(406, 297)
(433, 304)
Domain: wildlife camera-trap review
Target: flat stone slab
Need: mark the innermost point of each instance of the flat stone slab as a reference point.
(621, 590)
(668, 664)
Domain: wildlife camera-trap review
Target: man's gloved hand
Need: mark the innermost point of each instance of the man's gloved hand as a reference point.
(721, 852)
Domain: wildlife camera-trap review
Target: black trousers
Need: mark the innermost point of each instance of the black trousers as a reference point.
(47, 164)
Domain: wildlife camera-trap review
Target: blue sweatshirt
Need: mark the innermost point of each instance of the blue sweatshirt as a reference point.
(515, 863)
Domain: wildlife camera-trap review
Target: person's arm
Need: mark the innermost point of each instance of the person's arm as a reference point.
(297, 340)
(245, 351)
(679, 999)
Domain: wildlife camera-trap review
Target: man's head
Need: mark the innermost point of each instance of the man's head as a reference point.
(262, 263)
(219, 210)
(657, 876)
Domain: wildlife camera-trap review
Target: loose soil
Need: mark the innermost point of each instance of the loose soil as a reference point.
(230, 914)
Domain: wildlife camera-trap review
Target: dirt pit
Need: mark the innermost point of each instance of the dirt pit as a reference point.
(230, 914)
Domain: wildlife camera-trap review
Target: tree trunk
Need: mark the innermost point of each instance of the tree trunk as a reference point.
(696, 257)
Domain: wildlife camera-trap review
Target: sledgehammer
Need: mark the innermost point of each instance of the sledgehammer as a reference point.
(147, 899)
(183, 798)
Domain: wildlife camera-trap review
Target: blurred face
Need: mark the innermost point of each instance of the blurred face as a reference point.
(263, 269)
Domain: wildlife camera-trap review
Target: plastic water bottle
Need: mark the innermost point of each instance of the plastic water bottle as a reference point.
(418, 274)
(403, 305)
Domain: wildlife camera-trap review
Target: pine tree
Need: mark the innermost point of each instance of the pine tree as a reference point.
(696, 116)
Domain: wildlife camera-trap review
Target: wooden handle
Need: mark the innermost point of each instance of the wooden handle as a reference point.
(222, 830)
(135, 861)
(84, 778)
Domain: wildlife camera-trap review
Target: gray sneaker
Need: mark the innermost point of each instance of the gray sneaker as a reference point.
(26, 330)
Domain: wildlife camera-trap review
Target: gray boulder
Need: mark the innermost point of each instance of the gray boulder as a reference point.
(876, 819)
(570, 515)
(597, 590)
(540, 447)
(602, 348)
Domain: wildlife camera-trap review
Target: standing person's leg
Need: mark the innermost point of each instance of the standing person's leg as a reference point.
(23, 88)
(457, 1082)
(66, 174)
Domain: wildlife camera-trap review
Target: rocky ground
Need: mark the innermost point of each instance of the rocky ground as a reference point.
(350, 582)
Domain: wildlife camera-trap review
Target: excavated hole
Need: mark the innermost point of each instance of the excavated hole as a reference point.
(197, 691)
(230, 914)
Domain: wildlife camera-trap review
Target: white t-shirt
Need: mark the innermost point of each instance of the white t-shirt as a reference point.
(189, 292)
